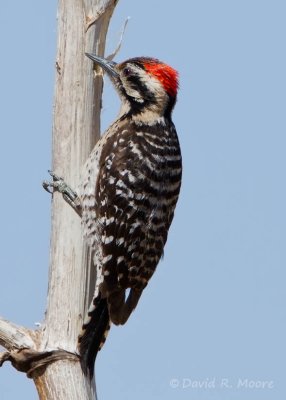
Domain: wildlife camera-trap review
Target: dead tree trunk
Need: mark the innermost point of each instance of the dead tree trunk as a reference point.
(49, 355)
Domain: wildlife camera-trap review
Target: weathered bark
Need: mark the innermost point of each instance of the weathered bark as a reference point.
(49, 355)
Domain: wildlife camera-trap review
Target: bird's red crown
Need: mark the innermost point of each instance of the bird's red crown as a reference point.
(167, 75)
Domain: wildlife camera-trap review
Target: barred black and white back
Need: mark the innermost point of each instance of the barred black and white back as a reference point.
(130, 188)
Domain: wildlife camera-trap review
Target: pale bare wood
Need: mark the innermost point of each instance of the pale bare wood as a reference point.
(82, 27)
(76, 128)
(13, 336)
(64, 380)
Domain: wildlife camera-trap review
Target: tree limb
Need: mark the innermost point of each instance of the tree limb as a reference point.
(13, 336)
(49, 355)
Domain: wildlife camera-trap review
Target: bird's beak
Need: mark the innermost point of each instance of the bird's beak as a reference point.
(108, 66)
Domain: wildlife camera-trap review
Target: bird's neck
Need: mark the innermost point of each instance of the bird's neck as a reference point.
(148, 115)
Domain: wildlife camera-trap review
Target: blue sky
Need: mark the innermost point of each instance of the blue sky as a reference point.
(215, 309)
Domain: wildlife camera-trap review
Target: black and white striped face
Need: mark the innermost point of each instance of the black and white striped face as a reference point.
(145, 85)
(139, 89)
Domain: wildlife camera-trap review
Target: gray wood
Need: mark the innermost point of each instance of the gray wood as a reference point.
(82, 27)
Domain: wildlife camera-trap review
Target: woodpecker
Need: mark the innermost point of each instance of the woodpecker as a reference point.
(129, 189)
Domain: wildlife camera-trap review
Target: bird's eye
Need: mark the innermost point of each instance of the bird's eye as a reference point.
(127, 71)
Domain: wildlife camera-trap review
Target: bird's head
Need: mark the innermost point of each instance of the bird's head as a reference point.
(147, 87)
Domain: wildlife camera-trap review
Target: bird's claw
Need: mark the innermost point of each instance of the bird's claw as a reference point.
(58, 184)
(46, 185)
(54, 176)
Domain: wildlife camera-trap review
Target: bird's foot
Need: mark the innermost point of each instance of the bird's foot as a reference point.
(59, 185)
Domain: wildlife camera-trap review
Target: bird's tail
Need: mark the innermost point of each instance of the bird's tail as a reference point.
(94, 332)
